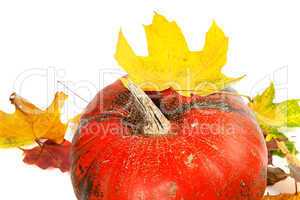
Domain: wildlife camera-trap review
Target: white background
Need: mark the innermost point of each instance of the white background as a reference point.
(74, 41)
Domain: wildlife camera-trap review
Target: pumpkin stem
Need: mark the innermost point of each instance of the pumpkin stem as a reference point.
(156, 122)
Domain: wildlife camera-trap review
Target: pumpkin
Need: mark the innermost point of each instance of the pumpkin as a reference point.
(160, 145)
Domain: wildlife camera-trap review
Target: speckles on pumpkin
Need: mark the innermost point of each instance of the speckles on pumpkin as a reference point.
(172, 190)
(189, 161)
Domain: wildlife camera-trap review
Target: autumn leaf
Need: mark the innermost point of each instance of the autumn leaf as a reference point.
(74, 123)
(273, 147)
(275, 174)
(170, 63)
(49, 155)
(275, 115)
(293, 161)
(283, 197)
(29, 123)
(272, 116)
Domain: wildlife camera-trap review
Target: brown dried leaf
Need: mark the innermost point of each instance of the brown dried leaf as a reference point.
(49, 155)
(283, 197)
(275, 174)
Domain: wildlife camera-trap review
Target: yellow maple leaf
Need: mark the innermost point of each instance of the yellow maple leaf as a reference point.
(75, 122)
(170, 63)
(276, 115)
(29, 123)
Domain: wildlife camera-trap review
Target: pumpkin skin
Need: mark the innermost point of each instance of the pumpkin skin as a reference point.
(216, 150)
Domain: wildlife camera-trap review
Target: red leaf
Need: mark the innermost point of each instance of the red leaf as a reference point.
(49, 155)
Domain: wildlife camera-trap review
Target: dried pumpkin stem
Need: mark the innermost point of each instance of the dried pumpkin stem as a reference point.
(156, 122)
